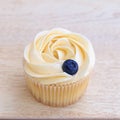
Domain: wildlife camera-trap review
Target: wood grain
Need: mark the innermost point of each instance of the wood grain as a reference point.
(20, 20)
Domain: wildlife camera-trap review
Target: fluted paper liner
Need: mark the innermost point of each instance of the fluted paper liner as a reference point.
(57, 94)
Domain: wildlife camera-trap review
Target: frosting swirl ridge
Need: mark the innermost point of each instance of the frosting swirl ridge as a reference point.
(43, 58)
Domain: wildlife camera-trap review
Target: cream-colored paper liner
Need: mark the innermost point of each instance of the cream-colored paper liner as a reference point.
(57, 94)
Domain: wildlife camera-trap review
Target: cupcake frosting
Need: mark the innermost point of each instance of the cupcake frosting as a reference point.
(44, 57)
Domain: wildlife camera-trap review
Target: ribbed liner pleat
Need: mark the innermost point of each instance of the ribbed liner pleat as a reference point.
(57, 94)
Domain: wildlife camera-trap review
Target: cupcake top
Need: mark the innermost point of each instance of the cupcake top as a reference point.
(58, 56)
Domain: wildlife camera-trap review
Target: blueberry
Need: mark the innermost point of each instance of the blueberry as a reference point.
(70, 67)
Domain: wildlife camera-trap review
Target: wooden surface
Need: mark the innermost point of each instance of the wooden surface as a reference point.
(20, 20)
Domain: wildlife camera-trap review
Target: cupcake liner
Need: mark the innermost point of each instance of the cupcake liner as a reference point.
(57, 95)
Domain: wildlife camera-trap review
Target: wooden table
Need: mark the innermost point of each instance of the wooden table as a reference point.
(20, 20)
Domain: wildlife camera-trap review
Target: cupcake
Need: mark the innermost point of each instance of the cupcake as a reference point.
(57, 66)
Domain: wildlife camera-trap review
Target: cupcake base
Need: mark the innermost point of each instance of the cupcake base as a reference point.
(57, 95)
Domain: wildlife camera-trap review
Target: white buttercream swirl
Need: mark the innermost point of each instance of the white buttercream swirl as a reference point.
(43, 58)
